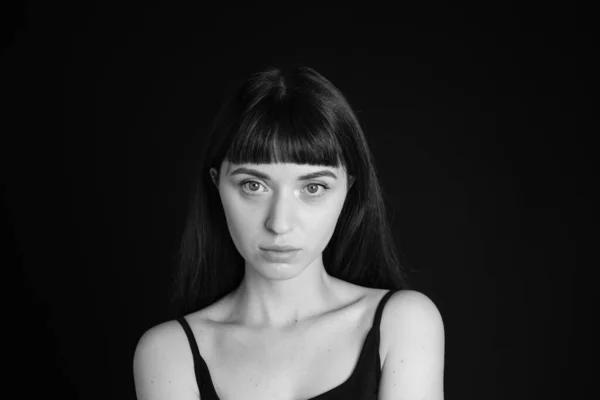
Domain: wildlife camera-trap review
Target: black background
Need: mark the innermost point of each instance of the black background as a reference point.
(473, 115)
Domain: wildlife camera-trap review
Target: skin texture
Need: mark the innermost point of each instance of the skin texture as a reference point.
(282, 210)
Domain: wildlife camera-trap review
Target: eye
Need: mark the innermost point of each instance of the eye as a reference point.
(316, 185)
(242, 184)
(312, 193)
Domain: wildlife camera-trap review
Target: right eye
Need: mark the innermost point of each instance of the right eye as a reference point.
(242, 184)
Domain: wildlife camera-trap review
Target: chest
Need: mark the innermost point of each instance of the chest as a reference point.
(296, 367)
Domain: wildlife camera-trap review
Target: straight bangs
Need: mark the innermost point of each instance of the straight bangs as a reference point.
(285, 131)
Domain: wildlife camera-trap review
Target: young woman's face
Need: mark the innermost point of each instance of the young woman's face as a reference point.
(281, 206)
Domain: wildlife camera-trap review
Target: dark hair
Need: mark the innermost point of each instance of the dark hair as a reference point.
(288, 115)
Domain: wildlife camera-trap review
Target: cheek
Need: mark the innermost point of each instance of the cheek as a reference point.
(321, 226)
(239, 221)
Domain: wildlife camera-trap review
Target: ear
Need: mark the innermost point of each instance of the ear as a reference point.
(214, 176)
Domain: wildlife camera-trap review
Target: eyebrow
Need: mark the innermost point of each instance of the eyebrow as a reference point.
(262, 175)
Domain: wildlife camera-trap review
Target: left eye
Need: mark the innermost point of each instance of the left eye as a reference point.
(325, 187)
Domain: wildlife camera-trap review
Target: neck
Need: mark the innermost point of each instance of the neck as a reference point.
(280, 304)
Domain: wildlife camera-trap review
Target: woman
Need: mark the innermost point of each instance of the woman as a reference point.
(289, 286)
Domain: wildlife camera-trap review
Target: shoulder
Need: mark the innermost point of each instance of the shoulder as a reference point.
(410, 309)
(163, 365)
(409, 314)
(414, 360)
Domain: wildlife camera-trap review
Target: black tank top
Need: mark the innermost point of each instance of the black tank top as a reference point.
(363, 384)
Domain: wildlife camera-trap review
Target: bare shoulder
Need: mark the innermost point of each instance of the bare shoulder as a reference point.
(163, 365)
(414, 361)
(410, 309)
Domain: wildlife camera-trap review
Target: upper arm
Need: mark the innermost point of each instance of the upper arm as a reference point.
(162, 369)
(414, 363)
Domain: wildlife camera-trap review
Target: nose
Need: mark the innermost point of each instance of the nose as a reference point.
(281, 216)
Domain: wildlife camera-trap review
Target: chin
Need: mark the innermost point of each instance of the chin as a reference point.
(277, 271)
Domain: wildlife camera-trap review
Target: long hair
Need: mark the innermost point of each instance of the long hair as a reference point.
(286, 115)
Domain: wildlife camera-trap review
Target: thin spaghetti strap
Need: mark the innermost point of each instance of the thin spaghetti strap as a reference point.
(379, 311)
(203, 378)
(191, 339)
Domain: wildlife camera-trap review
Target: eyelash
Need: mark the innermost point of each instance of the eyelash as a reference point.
(326, 187)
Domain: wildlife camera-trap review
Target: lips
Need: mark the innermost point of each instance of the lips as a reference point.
(282, 248)
(287, 256)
